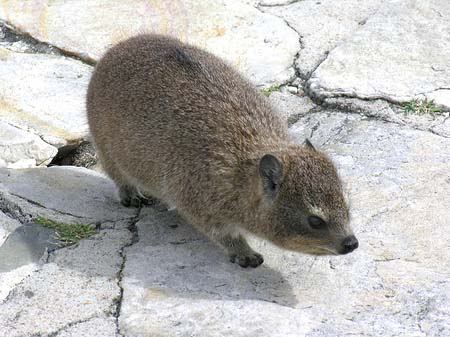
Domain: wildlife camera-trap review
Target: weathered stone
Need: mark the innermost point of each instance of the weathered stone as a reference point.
(98, 327)
(17, 145)
(260, 45)
(382, 110)
(396, 284)
(68, 194)
(12, 278)
(7, 226)
(104, 247)
(322, 25)
(402, 52)
(443, 128)
(78, 285)
(22, 43)
(26, 245)
(292, 89)
(275, 2)
(53, 297)
(174, 278)
(441, 98)
(44, 94)
(291, 105)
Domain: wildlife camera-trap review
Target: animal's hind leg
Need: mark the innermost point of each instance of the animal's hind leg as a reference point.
(129, 195)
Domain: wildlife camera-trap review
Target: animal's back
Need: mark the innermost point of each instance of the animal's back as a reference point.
(164, 111)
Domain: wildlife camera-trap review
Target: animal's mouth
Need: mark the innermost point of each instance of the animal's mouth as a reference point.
(322, 250)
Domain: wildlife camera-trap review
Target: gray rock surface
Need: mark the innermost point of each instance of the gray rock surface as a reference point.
(400, 53)
(98, 327)
(9, 279)
(291, 105)
(44, 94)
(74, 277)
(65, 193)
(260, 45)
(322, 25)
(188, 287)
(383, 110)
(26, 245)
(21, 149)
(7, 225)
(77, 285)
(441, 98)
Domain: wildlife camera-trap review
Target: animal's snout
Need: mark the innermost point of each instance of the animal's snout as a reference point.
(349, 244)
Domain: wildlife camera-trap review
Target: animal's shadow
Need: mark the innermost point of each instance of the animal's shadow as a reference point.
(172, 256)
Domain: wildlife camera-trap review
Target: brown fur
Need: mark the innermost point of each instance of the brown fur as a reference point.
(176, 123)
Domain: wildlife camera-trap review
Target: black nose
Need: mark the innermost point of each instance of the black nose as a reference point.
(349, 244)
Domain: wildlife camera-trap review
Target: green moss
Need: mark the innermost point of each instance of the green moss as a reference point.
(420, 107)
(269, 90)
(67, 233)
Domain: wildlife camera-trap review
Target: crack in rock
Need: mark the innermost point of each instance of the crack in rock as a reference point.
(297, 55)
(13, 210)
(48, 208)
(12, 34)
(55, 333)
(289, 2)
(135, 238)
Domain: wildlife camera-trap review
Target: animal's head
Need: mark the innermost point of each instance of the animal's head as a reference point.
(304, 202)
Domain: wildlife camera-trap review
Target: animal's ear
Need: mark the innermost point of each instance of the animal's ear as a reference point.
(309, 145)
(271, 172)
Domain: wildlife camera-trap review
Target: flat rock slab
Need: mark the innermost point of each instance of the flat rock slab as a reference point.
(322, 25)
(260, 45)
(26, 245)
(77, 287)
(396, 284)
(401, 52)
(67, 193)
(44, 94)
(70, 291)
(177, 283)
(98, 327)
(7, 226)
(21, 149)
(291, 105)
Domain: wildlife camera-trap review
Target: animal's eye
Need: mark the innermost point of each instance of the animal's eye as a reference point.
(316, 222)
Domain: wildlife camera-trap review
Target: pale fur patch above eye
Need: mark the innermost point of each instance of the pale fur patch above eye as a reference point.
(317, 211)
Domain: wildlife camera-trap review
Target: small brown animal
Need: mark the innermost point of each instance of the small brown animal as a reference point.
(174, 122)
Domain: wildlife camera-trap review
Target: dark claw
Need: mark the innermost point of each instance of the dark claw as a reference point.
(254, 260)
(135, 202)
(244, 261)
(125, 202)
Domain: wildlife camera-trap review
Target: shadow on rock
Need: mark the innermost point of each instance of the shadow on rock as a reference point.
(173, 258)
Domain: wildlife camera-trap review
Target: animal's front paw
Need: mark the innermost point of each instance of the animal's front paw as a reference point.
(251, 259)
(132, 201)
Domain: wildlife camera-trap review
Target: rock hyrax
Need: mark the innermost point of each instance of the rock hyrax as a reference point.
(174, 122)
